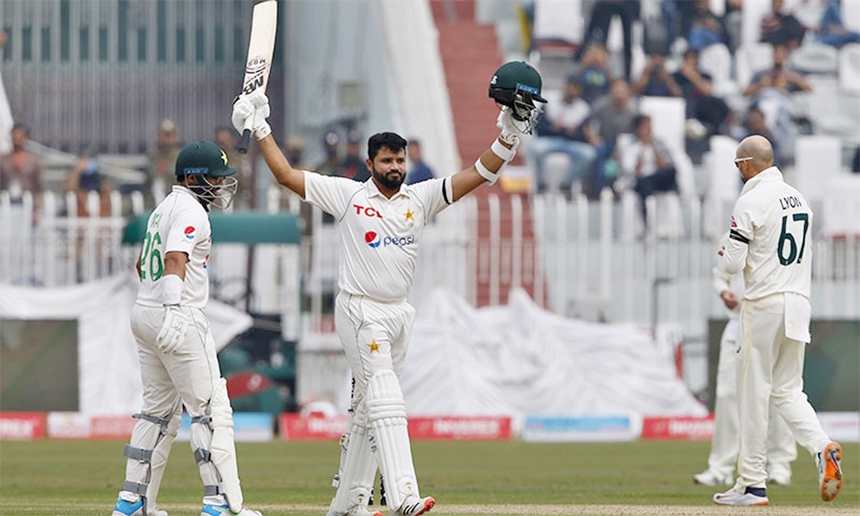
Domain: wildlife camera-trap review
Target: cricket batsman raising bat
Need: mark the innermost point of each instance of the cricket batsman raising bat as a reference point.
(373, 318)
(264, 26)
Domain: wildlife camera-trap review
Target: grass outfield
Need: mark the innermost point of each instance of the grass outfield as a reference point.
(77, 478)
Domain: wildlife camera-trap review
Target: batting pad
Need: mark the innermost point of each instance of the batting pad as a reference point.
(215, 451)
(386, 412)
(358, 468)
(159, 457)
(147, 435)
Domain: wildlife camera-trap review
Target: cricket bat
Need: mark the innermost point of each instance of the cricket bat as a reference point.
(264, 25)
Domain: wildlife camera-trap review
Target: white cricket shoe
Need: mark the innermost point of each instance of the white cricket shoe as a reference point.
(224, 510)
(746, 497)
(829, 463)
(709, 478)
(357, 510)
(414, 506)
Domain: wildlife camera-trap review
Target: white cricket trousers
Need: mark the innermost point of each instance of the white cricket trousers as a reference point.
(375, 337)
(770, 370)
(781, 447)
(192, 373)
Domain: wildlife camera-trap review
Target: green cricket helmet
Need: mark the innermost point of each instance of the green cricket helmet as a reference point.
(207, 161)
(517, 84)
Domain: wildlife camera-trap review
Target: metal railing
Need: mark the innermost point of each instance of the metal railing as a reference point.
(592, 260)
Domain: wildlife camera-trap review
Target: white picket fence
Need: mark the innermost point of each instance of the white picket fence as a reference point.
(586, 259)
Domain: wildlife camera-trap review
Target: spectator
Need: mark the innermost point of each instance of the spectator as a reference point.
(594, 73)
(228, 139)
(420, 170)
(706, 114)
(353, 164)
(602, 13)
(778, 28)
(648, 161)
(611, 115)
(707, 28)
(22, 171)
(655, 80)
(755, 123)
(563, 128)
(772, 90)
(331, 149)
(294, 149)
(159, 171)
(831, 31)
(85, 178)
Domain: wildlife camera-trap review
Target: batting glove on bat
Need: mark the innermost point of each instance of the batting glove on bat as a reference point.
(256, 108)
(174, 328)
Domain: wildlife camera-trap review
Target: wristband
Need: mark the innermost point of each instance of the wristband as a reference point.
(262, 130)
(508, 136)
(171, 289)
(485, 172)
(501, 151)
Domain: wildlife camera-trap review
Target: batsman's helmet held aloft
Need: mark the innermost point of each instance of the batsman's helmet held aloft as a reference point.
(203, 158)
(517, 84)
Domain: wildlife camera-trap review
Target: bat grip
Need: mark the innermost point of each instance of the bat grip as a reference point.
(244, 140)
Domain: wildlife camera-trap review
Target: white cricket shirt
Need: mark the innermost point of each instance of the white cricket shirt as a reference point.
(379, 236)
(179, 223)
(770, 238)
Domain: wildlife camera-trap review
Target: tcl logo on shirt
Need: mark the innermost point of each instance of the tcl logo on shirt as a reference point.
(375, 240)
(367, 211)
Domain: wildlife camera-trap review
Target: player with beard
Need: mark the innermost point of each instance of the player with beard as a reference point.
(380, 223)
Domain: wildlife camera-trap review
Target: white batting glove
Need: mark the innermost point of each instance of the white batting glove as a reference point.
(174, 328)
(253, 107)
(510, 132)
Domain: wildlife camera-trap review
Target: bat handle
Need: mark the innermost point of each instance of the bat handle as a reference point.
(244, 140)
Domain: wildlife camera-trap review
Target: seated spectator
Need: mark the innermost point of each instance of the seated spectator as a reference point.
(755, 123)
(611, 115)
(831, 31)
(648, 162)
(655, 80)
(420, 171)
(778, 28)
(713, 113)
(707, 28)
(563, 129)
(593, 72)
(772, 90)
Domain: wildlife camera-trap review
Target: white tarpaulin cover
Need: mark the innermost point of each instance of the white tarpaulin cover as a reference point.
(519, 359)
(107, 354)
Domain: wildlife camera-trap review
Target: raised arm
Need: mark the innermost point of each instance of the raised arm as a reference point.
(256, 106)
(488, 166)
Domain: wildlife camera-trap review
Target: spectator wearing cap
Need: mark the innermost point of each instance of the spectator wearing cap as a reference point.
(563, 129)
(159, 171)
(353, 163)
(420, 171)
(331, 149)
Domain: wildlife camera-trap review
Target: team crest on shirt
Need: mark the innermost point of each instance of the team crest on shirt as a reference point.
(189, 233)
